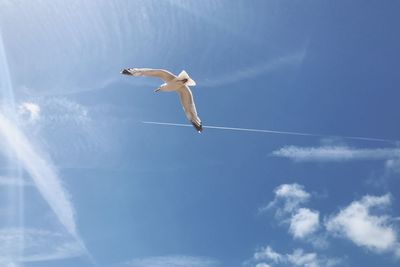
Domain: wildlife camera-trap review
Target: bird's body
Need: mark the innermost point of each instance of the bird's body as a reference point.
(171, 85)
(179, 83)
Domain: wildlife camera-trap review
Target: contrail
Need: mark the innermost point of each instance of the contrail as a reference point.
(276, 132)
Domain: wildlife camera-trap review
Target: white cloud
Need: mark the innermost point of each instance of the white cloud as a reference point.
(268, 253)
(292, 191)
(54, 110)
(297, 258)
(50, 111)
(263, 264)
(336, 153)
(362, 222)
(288, 60)
(292, 195)
(357, 223)
(304, 223)
(300, 258)
(393, 165)
(29, 245)
(61, 118)
(173, 261)
(63, 110)
(42, 172)
(29, 109)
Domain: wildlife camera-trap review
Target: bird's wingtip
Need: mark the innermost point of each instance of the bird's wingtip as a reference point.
(125, 71)
(198, 127)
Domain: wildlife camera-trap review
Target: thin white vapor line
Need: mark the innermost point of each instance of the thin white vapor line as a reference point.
(275, 132)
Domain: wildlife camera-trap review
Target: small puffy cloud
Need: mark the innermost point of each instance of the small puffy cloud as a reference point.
(294, 191)
(173, 261)
(263, 264)
(336, 153)
(304, 223)
(291, 195)
(357, 223)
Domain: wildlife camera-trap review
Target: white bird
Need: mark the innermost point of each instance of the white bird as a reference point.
(179, 83)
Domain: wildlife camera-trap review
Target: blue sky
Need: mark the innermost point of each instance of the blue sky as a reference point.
(84, 182)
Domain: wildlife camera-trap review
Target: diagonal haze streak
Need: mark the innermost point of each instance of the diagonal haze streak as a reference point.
(42, 171)
(360, 138)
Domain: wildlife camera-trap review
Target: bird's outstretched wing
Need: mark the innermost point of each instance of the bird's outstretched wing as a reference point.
(189, 107)
(164, 75)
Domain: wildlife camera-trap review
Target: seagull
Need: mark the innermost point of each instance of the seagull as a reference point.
(179, 83)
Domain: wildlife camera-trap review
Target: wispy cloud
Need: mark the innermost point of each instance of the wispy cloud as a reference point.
(266, 256)
(53, 110)
(37, 245)
(20, 244)
(14, 181)
(62, 118)
(336, 153)
(173, 261)
(277, 63)
(42, 172)
(391, 156)
(29, 110)
(393, 165)
(267, 253)
(358, 223)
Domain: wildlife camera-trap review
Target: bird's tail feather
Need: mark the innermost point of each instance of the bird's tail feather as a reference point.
(184, 75)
